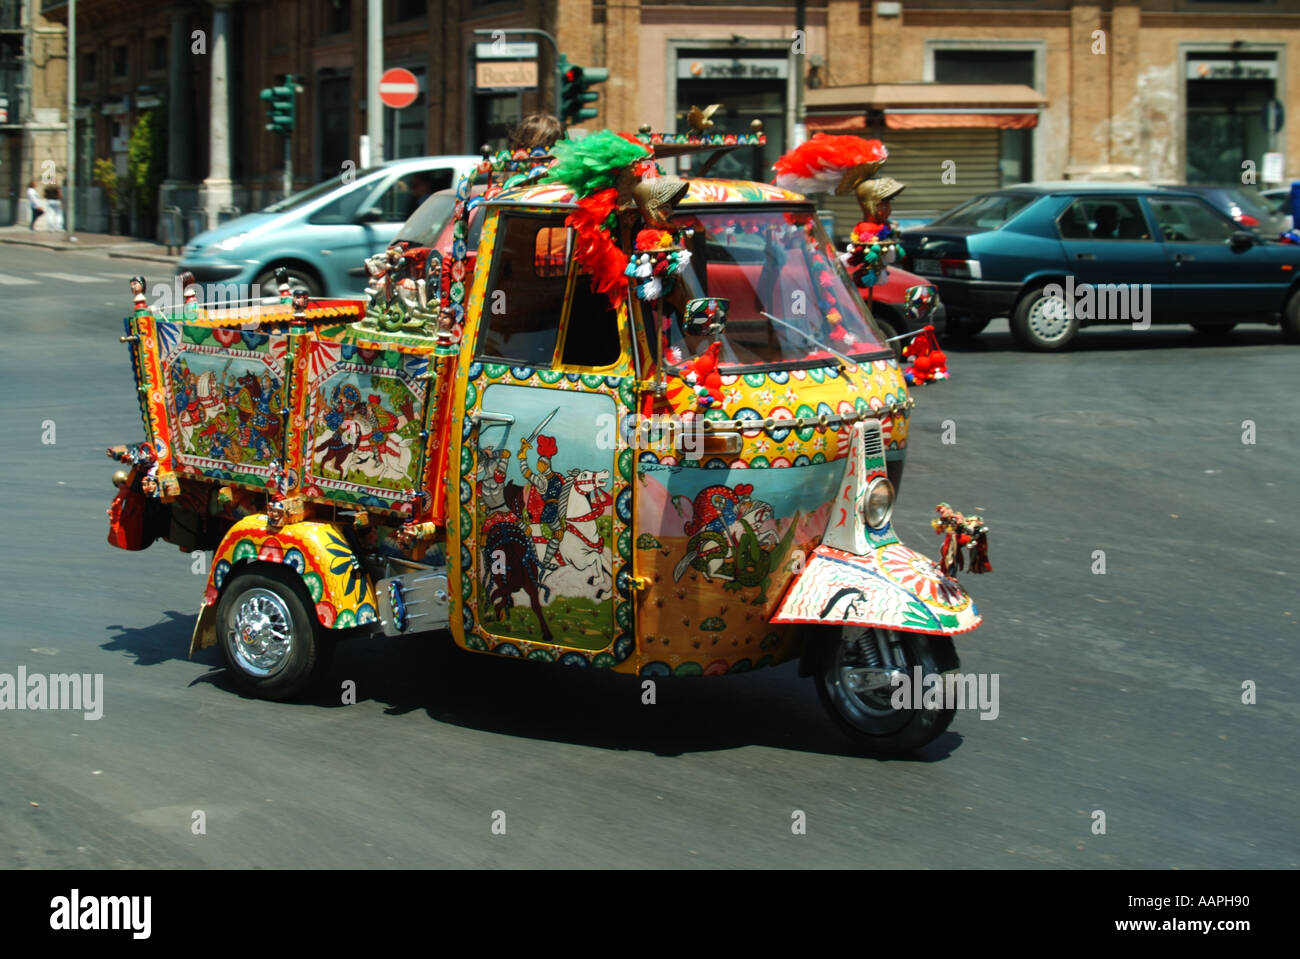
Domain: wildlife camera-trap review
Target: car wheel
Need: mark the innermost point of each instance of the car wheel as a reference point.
(1291, 319)
(1044, 323)
(889, 328)
(268, 285)
(273, 643)
(1213, 329)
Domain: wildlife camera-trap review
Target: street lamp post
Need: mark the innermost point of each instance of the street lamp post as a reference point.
(70, 164)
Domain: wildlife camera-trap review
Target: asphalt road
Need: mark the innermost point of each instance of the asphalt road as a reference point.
(1119, 692)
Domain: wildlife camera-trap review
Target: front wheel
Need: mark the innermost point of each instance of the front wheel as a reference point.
(268, 632)
(854, 672)
(1043, 321)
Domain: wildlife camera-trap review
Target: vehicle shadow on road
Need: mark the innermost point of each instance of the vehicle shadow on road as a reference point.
(589, 707)
(997, 339)
(159, 642)
(541, 701)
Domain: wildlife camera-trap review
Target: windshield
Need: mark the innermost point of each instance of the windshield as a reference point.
(429, 219)
(303, 197)
(776, 262)
(987, 212)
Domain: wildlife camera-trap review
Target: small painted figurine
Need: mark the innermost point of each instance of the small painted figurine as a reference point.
(138, 298)
(282, 278)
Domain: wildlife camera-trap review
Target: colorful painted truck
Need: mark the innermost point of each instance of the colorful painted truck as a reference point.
(653, 430)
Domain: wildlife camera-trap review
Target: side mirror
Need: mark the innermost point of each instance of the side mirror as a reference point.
(372, 215)
(704, 316)
(1241, 240)
(919, 303)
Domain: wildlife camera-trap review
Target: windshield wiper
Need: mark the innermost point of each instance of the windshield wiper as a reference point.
(811, 339)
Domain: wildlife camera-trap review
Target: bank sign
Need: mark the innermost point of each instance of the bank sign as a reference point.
(729, 68)
(1232, 69)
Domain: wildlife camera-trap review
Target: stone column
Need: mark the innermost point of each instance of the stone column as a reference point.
(180, 108)
(1089, 91)
(217, 190)
(178, 188)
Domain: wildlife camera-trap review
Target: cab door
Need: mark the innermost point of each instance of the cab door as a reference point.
(543, 503)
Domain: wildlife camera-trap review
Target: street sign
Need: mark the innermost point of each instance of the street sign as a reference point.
(1273, 114)
(506, 76)
(505, 51)
(398, 88)
(1272, 168)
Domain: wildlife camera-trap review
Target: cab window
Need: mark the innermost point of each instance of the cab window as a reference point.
(523, 304)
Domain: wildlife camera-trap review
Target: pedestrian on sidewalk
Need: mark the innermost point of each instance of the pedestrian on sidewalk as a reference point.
(34, 202)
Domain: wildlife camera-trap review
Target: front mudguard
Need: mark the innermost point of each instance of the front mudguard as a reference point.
(890, 587)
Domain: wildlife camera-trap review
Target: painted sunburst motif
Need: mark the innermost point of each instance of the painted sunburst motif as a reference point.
(919, 575)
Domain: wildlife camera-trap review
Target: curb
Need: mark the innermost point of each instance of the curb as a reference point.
(151, 257)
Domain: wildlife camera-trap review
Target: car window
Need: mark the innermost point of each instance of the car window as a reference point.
(1103, 218)
(987, 212)
(521, 322)
(430, 219)
(403, 196)
(1251, 203)
(1191, 221)
(343, 208)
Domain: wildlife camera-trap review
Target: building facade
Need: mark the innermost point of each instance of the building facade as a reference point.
(33, 90)
(967, 95)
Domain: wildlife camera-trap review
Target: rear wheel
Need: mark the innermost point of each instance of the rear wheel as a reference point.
(1291, 319)
(854, 672)
(268, 285)
(268, 632)
(889, 328)
(1044, 322)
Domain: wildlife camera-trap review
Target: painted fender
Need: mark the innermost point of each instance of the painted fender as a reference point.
(890, 586)
(317, 552)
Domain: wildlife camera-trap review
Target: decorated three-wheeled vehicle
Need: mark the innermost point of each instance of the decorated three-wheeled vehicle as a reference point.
(651, 429)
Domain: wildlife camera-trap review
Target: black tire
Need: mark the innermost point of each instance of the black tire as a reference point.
(1213, 329)
(889, 328)
(1291, 319)
(275, 599)
(1038, 326)
(870, 719)
(964, 327)
(268, 285)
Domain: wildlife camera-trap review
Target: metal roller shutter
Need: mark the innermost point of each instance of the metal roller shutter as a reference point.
(916, 158)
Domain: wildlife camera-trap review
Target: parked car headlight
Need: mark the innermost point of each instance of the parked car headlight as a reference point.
(880, 503)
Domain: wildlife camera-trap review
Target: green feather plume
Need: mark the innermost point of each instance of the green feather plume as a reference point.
(592, 163)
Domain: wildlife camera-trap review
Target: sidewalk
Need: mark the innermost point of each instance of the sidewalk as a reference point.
(122, 247)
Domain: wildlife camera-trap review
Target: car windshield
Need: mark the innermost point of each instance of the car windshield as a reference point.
(429, 219)
(303, 197)
(790, 300)
(988, 212)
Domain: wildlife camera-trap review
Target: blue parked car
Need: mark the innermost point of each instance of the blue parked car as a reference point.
(323, 234)
(1057, 257)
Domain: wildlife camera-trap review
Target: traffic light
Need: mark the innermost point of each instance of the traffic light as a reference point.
(575, 90)
(280, 108)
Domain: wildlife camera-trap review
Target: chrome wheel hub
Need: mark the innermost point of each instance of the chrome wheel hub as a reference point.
(261, 633)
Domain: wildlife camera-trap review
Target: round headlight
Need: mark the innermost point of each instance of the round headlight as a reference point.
(880, 503)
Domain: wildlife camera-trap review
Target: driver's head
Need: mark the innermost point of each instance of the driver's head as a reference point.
(537, 130)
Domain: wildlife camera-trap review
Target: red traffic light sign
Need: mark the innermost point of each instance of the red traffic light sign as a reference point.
(398, 88)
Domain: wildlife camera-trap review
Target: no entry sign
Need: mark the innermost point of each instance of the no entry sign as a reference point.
(398, 88)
